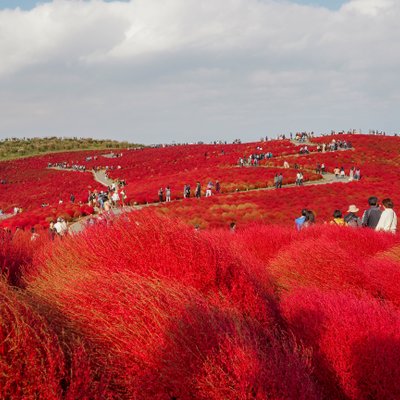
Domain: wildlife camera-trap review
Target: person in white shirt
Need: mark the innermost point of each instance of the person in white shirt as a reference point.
(299, 179)
(61, 227)
(115, 198)
(388, 220)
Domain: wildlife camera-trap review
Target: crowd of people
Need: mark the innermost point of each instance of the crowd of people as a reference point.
(377, 218)
(82, 168)
(104, 200)
(66, 165)
(211, 188)
(254, 159)
(302, 137)
(380, 218)
(334, 145)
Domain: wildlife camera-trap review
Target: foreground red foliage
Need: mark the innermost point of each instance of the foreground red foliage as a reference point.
(356, 342)
(34, 361)
(169, 312)
(165, 311)
(193, 325)
(16, 253)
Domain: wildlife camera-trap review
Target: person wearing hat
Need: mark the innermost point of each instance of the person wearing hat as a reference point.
(351, 218)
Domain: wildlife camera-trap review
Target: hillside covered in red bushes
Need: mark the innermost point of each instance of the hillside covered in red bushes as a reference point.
(146, 307)
(165, 302)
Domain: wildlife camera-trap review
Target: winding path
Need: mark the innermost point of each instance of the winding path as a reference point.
(327, 178)
(101, 177)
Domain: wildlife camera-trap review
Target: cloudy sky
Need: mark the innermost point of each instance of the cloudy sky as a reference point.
(154, 71)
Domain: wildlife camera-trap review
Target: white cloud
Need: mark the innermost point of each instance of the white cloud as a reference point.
(194, 69)
(369, 7)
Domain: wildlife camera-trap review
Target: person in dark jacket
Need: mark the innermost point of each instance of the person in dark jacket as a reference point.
(371, 216)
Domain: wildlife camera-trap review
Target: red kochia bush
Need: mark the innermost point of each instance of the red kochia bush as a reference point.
(31, 361)
(158, 339)
(154, 246)
(35, 363)
(329, 257)
(356, 342)
(383, 273)
(170, 312)
(16, 253)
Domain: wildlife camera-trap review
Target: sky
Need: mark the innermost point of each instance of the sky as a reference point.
(162, 71)
(29, 4)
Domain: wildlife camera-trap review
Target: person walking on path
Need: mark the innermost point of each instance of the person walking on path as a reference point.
(371, 216)
(351, 174)
(336, 171)
(52, 230)
(388, 220)
(167, 194)
(197, 191)
(217, 187)
(276, 181)
(161, 195)
(280, 181)
(209, 189)
(299, 179)
(61, 227)
(115, 198)
(187, 191)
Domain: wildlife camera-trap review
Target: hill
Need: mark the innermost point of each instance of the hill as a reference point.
(245, 192)
(166, 302)
(13, 148)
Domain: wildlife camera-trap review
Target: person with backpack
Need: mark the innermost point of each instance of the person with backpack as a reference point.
(351, 218)
(371, 216)
(388, 220)
(337, 218)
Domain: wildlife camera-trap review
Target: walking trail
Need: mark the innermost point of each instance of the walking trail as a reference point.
(101, 177)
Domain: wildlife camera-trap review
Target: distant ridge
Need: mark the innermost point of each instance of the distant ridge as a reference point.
(11, 148)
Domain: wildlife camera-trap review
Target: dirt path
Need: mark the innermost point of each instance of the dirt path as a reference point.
(101, 177)
(327, 178)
